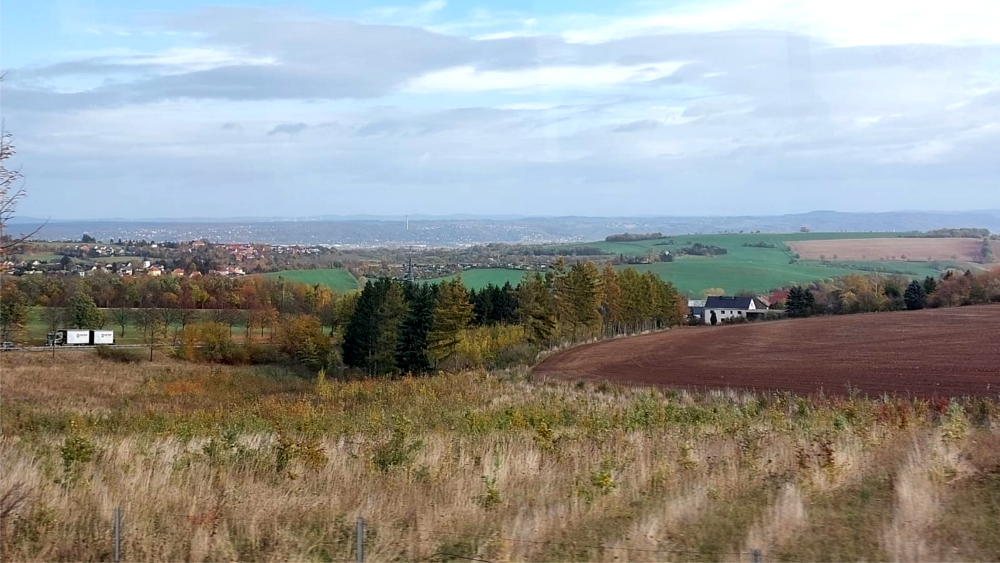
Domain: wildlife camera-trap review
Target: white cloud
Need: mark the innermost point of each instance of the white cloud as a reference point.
(469, 79)
(846, 22)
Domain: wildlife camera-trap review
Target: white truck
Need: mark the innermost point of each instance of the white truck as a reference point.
(81, 337)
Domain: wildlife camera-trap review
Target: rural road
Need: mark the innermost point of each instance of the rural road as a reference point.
(933, 352)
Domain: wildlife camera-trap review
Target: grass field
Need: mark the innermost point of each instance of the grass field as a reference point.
(480, 278)
(755, 268)
(337, 279)
(237, 463)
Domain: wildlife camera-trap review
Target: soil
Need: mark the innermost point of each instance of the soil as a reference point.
(927, 353)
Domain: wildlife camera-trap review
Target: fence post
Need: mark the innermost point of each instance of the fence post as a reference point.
(116, 527)
(755, 554)
(359, 540)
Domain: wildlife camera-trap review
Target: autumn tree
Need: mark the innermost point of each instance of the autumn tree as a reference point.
(452, 314)
(120, 317)
(150, 323)
(82, 312)
(13, 313)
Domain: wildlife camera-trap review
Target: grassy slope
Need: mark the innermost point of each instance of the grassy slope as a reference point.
(220, 462)
(336, 279)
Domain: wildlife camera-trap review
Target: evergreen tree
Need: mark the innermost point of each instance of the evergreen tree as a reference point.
(929, 284)
(506, 304)
(391, 311)
(915, 296)
(371, 335)
(452, 314)
(536, 309)
(800, 302)
(611, 295)
(82, 312)
(579, 297)
(411, 351)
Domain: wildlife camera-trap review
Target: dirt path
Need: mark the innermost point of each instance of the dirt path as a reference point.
(931, 352)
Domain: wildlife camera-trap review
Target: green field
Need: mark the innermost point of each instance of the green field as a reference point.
(337, 279)
(480, 278)
(752, 268)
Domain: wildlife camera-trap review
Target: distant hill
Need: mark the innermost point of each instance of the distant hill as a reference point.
(466, 230)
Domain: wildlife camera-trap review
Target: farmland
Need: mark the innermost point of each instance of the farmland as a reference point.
(770, 263)
(337, 279)
(243, 463)
(891, 249)
(931, 352)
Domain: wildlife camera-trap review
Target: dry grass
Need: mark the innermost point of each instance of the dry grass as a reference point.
(212, 463)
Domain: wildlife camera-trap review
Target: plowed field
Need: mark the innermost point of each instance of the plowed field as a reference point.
(933, 352)
(919, 249)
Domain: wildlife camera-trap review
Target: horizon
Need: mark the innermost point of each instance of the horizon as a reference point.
(159, 109)
(28, 220)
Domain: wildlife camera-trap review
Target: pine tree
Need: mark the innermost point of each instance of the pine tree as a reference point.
(930, 284)
(915, 296)
(411, 351)
(611, 295)
(452, 314)
(536, 309)
(800, 302)
(391, 311)
(371, 335)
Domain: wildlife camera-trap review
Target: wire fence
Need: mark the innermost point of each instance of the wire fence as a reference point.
(361, 532)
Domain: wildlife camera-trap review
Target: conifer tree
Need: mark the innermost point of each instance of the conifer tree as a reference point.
(452, 314)
(411, 351)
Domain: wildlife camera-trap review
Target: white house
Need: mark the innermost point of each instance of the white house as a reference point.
(721, 308)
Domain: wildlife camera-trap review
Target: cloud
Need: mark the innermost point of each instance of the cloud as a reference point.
(640, 125)
(405, 116)
(287, 128)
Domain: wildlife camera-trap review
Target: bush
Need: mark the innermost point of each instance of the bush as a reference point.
(123, 355)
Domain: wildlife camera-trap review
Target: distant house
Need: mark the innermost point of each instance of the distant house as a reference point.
(178, 272)
(195, 274)
(155, 271)
(696, 309)
(777, 296)
(723, 308)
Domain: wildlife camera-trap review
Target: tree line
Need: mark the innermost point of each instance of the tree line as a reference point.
(389, 327)
(865, 294)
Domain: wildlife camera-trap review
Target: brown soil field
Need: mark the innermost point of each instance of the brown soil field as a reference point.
(918, 249)
(933, 352)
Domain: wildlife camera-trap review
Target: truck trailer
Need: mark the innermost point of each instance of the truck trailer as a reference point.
(81, 337)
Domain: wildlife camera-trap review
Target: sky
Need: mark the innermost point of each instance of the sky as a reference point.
(185, 108)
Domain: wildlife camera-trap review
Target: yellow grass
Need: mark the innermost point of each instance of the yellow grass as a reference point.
(224, 463)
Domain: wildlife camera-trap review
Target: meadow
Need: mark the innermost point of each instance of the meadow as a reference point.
(756, 268)
(337, 279)
(221, 462)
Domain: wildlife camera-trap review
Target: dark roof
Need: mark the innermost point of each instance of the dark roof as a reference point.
(723, 302)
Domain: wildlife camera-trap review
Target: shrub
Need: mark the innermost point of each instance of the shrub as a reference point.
(123, 355)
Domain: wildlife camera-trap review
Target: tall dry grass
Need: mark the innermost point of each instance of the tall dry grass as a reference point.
(213, 463)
